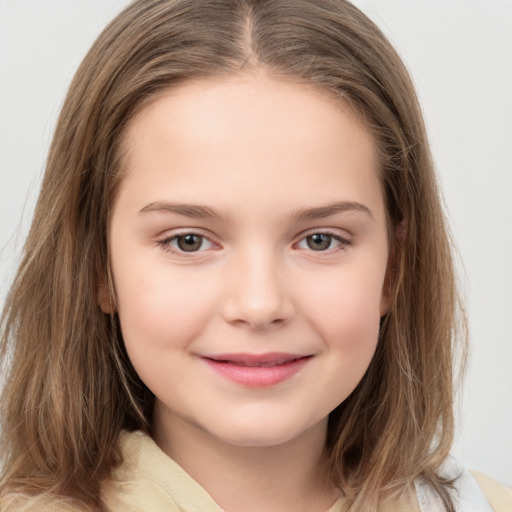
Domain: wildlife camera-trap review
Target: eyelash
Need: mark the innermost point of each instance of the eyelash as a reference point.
(166, 242)
(343, 242)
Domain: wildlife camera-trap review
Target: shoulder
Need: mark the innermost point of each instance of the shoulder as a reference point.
(498, 495)
(471, 492)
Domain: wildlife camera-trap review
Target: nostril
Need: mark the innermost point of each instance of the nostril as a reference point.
(255, 296)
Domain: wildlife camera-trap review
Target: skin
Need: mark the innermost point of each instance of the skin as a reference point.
(257, 151)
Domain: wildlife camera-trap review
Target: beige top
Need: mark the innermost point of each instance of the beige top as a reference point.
(149, 480)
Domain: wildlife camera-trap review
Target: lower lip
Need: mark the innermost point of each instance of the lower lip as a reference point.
(257, 376)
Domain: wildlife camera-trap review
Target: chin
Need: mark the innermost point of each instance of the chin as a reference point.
(256, 440)
(260, 433)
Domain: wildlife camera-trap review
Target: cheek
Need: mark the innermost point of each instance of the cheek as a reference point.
(347, 308)
(160, 316)
(160, 310)
(347, 318)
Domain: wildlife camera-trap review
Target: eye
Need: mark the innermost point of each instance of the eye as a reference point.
(322, 241)
(187, 242)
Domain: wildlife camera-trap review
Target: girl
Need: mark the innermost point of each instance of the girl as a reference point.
(237, 293)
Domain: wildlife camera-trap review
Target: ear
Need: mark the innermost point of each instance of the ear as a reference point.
(391, 277)
(104, 295)
(104, 299)
(386, 298)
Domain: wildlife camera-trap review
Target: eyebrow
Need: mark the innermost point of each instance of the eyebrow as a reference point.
(187, 210)
(331, 209)
(195, 211)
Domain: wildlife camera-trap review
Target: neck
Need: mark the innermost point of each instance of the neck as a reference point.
(284, 477)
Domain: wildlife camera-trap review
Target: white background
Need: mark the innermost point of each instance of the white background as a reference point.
(460, 55)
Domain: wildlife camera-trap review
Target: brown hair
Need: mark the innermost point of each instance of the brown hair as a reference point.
(70, 389)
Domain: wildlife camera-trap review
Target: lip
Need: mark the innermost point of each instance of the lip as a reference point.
(257, 370)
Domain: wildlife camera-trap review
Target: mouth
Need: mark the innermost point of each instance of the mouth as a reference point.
(257, 370)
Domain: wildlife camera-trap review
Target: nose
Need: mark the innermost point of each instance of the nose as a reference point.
(258, 295)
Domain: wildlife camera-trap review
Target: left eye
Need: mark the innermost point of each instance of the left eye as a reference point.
(321, 242)
(189, 242)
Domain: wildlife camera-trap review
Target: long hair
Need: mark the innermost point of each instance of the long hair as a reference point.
(70, 388)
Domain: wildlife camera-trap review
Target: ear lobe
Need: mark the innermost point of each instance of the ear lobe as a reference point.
(386, 297)
(388, 287)
(385, 302)
(104, 299)
(104, 294)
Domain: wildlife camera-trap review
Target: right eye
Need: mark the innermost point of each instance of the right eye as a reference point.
(186, 243)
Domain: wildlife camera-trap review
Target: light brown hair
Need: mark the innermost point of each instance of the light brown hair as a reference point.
(70, 389)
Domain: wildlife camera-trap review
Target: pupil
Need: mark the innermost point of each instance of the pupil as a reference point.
(319, 241)
(189, 243)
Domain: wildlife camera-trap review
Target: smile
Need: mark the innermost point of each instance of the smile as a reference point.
(257, 370)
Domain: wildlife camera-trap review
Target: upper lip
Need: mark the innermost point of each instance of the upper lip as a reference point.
(256, 359)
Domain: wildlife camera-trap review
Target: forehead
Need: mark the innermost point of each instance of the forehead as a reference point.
(208, 108)
(254, 135)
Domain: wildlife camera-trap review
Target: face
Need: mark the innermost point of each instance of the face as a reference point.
(249, 251)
